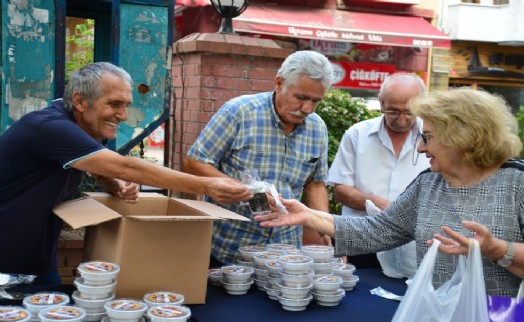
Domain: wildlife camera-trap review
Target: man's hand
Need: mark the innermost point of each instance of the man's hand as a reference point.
(127, 191)
(226, 191)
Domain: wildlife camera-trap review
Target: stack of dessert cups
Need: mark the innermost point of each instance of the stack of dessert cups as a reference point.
(40, 301)
(296, 275)
(95, 287)
(272, 289)
(261, 271)
(346, 272)
(237, 279)
(327, 289)
(323, 259)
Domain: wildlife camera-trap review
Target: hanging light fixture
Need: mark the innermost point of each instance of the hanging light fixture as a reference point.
(228, 9)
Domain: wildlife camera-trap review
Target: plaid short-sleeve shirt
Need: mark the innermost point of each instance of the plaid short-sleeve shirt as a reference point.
(246, 133)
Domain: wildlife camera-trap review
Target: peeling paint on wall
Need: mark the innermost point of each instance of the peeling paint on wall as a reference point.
(26, 22)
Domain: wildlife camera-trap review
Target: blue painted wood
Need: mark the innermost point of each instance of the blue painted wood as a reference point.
(28, 58)
(144, 50)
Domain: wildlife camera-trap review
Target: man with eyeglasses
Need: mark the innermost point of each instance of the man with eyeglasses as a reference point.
(278, 134)
(376, 160)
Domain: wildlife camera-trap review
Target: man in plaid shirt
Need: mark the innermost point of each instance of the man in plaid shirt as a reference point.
(278, 134)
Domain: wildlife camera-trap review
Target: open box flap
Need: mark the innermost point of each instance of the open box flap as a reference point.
(84, 212)
(212, 210)
(171, 218)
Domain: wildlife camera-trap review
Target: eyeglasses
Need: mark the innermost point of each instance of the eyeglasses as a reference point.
(425, 137)
(394, 113)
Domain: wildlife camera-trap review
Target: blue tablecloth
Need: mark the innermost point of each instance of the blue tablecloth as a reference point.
(255, 306)
(358, 304)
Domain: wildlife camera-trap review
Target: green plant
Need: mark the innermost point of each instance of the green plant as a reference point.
(340, 111)
(83, 50)
(520, 120)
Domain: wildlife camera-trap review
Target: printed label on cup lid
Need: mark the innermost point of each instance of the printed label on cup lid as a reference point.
(167, 311)
(47, 299)
(98, 266)
(162, 297)
(62, 313)
(327, 279)
(294, 259)
(236, 269)
(12, 314)
(127, 305)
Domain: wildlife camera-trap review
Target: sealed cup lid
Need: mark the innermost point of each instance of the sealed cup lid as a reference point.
(13, 314)
(163, 297)
(44, 299)
(62, 313)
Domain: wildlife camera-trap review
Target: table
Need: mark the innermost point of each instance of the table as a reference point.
(255, 306)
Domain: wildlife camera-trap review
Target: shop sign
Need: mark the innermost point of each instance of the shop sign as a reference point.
(330, 48)
(361, 75)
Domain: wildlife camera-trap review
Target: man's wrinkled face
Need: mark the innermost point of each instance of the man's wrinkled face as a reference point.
(294, 102)
(101, 118)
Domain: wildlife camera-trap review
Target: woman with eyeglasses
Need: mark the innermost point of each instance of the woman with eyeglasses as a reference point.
(473, 189)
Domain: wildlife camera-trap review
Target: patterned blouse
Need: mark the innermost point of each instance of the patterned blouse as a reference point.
(429, 203)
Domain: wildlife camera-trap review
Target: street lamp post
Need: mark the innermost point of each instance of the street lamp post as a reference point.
(228, 9)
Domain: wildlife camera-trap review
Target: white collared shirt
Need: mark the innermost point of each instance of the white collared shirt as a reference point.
(366, 160)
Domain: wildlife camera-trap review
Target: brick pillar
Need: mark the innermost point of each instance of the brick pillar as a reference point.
(208, 70)
(70, 252)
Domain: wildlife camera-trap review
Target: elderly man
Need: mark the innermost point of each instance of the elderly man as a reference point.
(276, 133)
(376, 160)
(44, 155)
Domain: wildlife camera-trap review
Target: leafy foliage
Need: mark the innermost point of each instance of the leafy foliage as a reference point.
(520, 120)
(84, 44)
(340, 111)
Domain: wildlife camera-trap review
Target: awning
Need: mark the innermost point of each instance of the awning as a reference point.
(339, 25)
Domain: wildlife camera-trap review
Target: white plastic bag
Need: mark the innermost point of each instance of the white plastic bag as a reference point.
(461, 299)
(397, 262)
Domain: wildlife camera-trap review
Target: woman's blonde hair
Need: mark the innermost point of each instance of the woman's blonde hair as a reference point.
(475, 122)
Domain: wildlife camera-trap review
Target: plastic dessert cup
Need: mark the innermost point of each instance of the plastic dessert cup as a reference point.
(62, 314)
(294, 292)
(295, 264)
(295, 304)
(237, 289)
(281, 248)
(348, 285)
(169, 313)
(163, 298)
(329, 299)
(89, 305)
(273, 267)
(237, 274)
(344, 270)
(326, 284)
(125, 310)
(319, 253)
(261, 258)
(297, 280)
(98, 272)
(39, 301)
(247, 252)
(14, 314)
(215, 276)
(94, 292)
(324, 267)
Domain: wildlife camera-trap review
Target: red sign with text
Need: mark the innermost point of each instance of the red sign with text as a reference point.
(361, 75)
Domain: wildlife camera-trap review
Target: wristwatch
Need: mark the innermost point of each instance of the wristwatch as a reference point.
(506, 260)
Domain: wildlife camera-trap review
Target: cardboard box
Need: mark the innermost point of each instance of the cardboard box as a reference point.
(161, 243)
